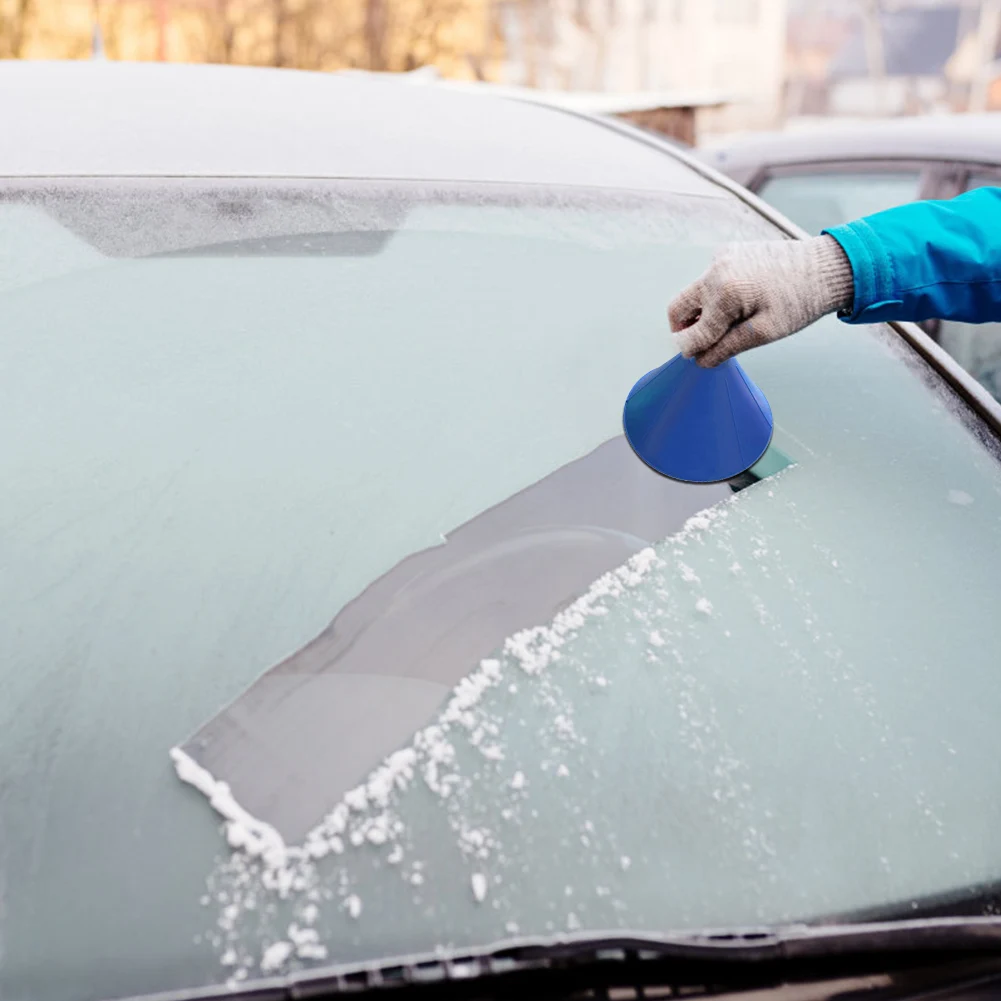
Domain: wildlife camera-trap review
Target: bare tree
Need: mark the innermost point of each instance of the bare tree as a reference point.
(426, 35)
(988, 30)
(15, 20)
(491, 41)
(872, 24)
(110, 17)
(406, 34)
(324, 35)
(222, 23)
(380, 35)
(376, 31)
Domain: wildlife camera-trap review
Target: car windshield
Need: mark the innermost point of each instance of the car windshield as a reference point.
(322, 485)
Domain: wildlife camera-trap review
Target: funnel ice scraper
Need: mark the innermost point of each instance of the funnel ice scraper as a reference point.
(701, 425)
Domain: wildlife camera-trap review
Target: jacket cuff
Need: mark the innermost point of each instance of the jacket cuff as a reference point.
(835, 273)
(875, 296)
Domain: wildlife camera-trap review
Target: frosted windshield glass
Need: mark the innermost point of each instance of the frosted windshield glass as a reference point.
(229, 429)
(781, 713)
(261, 399)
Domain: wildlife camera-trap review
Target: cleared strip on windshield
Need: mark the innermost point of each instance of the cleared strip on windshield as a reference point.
(312, 726)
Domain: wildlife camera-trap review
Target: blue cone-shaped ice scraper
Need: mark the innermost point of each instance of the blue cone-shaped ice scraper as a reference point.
(701, 425)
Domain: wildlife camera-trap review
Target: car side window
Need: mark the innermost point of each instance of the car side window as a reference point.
(977, 347)
(816, 200)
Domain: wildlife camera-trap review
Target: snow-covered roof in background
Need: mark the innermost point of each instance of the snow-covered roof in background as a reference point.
(108, 118)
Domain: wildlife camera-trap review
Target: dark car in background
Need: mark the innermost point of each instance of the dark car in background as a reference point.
(823, 178)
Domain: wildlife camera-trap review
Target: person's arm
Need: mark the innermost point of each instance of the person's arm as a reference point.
(929, 259)
(926, 259)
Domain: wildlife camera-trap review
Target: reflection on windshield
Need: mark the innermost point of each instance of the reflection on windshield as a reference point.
(317, 721)
(463, 759)
(139, 217)
(34, 247)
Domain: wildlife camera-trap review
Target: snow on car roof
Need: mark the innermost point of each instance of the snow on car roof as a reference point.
(118, 119)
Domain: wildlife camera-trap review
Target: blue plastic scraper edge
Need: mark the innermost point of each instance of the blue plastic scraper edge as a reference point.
(699, 425)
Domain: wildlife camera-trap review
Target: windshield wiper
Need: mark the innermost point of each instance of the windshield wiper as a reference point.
(687, 963)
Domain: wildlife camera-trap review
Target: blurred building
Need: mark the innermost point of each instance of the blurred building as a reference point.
(974, 68)
(866, 58)
(915, 45)
(735, 48)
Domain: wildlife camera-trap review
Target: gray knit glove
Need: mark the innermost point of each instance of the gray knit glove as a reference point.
(756, 293)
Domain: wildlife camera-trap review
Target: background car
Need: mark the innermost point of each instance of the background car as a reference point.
(316, 497)
(824, 178)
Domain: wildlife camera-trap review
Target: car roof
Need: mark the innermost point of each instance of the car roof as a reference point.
(972, 138)
(106, 118)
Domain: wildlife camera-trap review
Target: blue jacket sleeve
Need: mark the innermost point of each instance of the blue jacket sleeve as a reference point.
(927, 259)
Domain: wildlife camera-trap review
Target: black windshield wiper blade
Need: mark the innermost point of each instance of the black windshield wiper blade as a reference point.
(742, 959)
